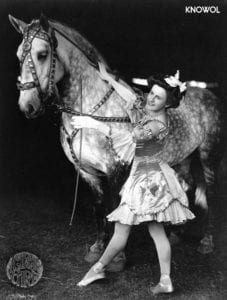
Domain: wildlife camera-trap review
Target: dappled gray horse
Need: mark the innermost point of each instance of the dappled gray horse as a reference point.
(58, 63)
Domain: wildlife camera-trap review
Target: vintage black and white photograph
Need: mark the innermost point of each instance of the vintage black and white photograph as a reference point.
(113, 149)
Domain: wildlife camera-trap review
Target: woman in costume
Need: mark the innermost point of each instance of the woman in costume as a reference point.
(152, 192)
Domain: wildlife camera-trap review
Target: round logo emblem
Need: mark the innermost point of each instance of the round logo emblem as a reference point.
(24, 269)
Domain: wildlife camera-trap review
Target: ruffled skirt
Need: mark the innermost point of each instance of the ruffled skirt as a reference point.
(174, 214)
(152, 193)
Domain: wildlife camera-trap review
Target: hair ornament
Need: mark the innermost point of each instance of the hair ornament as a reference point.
(174, 81)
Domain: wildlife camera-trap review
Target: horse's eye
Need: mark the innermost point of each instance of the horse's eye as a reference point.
(42, 55)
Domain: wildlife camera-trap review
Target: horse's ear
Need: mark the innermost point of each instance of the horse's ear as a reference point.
(17, 24)
(44, 22)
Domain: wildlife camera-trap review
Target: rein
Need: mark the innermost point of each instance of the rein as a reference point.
(73, 112)
(79, 165)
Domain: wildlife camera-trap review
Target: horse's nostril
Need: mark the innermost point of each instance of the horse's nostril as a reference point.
(30, 109)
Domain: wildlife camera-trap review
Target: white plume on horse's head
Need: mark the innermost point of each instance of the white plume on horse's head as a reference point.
(17, 24)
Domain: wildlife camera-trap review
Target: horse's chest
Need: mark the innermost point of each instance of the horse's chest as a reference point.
(86, 149)
(65, 142)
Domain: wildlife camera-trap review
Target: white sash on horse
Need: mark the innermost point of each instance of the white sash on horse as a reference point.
(125, 92)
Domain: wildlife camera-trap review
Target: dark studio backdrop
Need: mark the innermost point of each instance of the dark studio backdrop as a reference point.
(137, 38)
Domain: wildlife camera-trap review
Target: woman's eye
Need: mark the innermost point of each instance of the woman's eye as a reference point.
(42, 55)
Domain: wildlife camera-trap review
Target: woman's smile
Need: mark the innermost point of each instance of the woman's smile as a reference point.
(156, 99)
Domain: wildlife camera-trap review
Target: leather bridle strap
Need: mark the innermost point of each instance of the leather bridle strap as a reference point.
(29, 36)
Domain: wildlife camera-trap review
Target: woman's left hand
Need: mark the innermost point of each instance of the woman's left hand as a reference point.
(83, 122)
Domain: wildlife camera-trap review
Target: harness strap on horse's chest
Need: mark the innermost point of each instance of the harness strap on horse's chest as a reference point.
(70, 138)
(98, 118)
(104, 99)
(73, 112)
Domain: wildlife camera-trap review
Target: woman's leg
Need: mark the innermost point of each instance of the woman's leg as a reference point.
(116, 244)
(163, 247)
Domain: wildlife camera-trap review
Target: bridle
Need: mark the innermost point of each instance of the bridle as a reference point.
(34, 30)
(29, 34)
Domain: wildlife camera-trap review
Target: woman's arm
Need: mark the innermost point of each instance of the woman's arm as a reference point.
(147, 131)
(119, 140)
(88, 122)
(123, 91)
(80, 122)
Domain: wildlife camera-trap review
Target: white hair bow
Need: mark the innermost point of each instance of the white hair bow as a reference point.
(174, 81)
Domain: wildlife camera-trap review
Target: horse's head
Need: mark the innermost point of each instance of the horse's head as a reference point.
(40, 66)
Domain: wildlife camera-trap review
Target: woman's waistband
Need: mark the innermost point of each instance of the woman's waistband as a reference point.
(148, 159)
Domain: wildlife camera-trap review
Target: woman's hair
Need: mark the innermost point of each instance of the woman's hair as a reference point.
(174, 95)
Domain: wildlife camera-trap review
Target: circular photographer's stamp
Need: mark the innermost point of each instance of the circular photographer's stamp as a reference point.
(24, 269)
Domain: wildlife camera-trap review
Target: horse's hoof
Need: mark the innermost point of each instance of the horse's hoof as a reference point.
(117, 264)
(174, 239)
(206, 245)
(91, 257)
(93, 254)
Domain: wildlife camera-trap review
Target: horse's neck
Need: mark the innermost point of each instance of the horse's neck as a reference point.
(84, 84)
(78, 40)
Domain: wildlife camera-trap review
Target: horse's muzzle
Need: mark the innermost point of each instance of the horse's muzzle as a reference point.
(31, 113)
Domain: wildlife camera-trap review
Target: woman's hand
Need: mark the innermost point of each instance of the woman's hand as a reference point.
(88, 122)
(84, 122)
(103, 73)
(125, 92)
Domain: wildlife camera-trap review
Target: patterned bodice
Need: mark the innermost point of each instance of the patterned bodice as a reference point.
(146, 143)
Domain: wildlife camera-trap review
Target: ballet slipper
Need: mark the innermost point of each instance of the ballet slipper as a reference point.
(96, 272)
(162, 288)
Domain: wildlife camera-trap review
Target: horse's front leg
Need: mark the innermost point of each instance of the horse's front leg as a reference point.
(97, 185)
(106, 191)
(117, 175)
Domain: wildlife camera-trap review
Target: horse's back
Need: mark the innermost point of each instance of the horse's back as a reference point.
(205, 103)
(194, 123)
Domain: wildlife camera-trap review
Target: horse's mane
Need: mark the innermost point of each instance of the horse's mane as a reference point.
(83, 44)
(86, 47)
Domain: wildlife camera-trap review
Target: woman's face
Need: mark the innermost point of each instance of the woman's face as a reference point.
(156, 99)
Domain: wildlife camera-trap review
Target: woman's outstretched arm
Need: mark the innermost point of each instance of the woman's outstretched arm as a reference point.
(88, 122)
(123, 91)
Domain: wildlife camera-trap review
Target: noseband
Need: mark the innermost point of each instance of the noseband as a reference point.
(28, 37)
